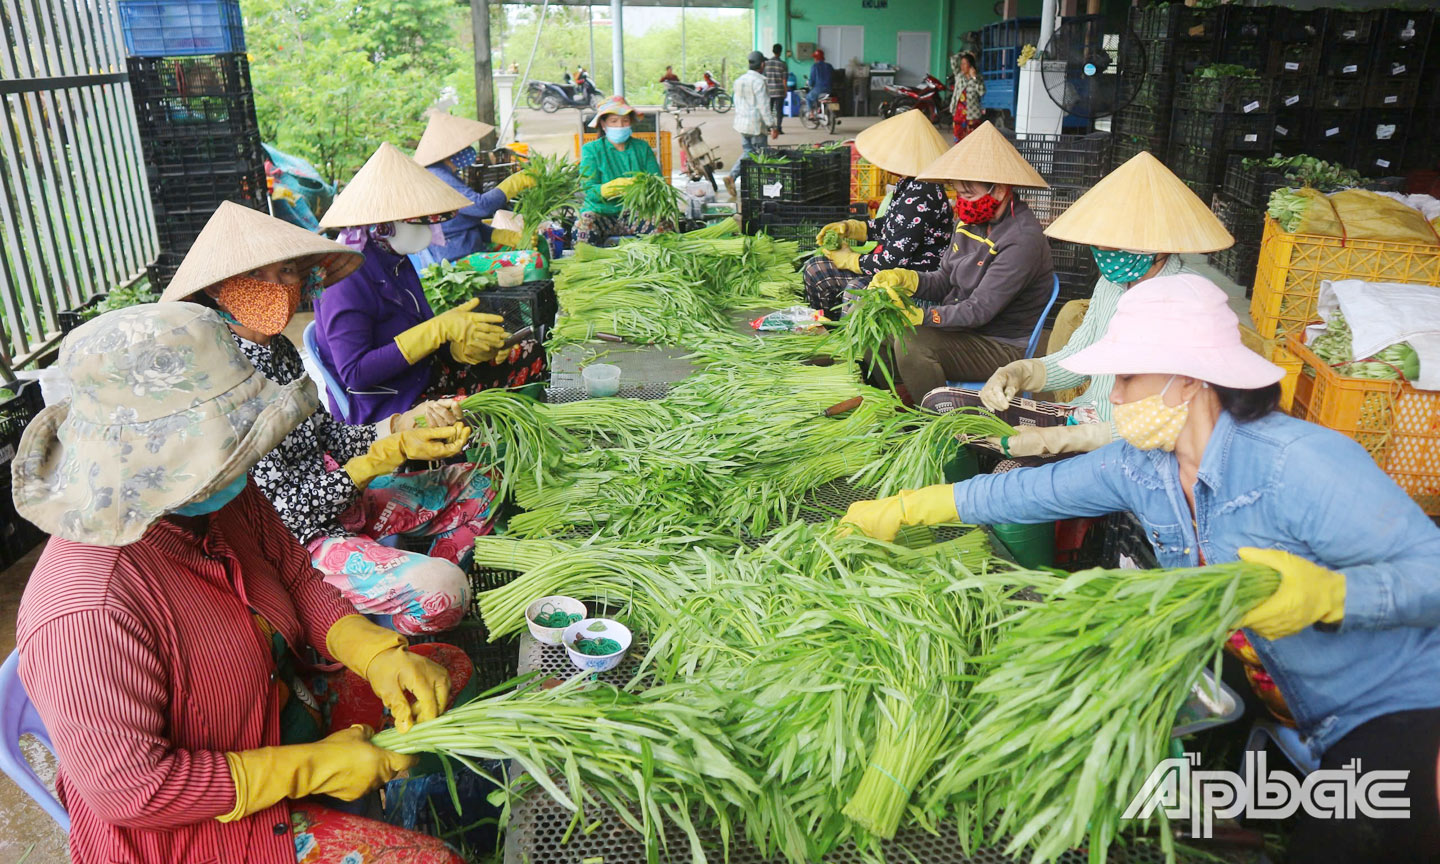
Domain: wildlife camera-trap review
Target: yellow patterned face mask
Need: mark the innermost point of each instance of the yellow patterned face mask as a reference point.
(1150, 424)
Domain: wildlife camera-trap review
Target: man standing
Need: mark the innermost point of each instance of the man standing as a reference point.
(753, 116)
(669, 75)
(821, 74)
(777, 74)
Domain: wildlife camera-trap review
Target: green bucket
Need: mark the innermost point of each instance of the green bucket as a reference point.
(962, 466)
(1030, 545)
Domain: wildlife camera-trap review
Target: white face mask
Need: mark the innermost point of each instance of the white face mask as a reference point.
(410, 238)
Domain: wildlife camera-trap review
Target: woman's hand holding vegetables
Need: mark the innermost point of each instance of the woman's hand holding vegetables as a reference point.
(1308, 594)
(853, 230)
(473, 336)
(344, 765)
(517, 183)
(897, 280)
(1009, 380)
(378, 655)
(614, 188)
(428, 415)
(883, 518)
(389, 453)
(844, 258)
(1053, 440)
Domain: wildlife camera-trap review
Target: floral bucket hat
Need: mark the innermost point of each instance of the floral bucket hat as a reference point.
(165, 410)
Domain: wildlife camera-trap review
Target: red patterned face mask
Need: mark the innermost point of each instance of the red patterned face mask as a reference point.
(262, 306)
(976, 212)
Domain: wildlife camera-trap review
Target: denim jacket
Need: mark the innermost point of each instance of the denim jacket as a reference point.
(1282, 483)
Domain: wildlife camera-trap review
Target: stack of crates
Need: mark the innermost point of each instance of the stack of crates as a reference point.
(868, 181)
(1213, 118)
(1389, 121)
(794, 189)
(1000, 45)
(1071, 164)
(1292, 60)
(1176, 39)
(195, 109)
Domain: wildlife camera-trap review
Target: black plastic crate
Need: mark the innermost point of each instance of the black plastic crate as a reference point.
(1048, 204)
(72, 318)
(1293, 93)
(1159, 57)
(1303, 26)
(1392, 94)
(1246, 24)
(1066, 160)
(1179, 23)
(1189, 56)
(1246, 133)
(205, 191)
(1399, 65)
(1128, 147)
(154, 78)
(1194, 163)
(188, 153)
(1073, 260)
(1288, 129)
(196, 111)
(532, 304)
(483, 178)
(1126, 546)
(1340, 93)
(162, 270)
(790, 221)
(1155, 90)
(1343, 27)
(1332, 128)
(1379, 159)
(1239, 262)
(1383, 128)
(1405, 28)
(1250, 54)
(1244, 221)
(1346, 61)
(17, 535)
(815, 176)
(1144, 120)
(1293, 58)
(1228, 95)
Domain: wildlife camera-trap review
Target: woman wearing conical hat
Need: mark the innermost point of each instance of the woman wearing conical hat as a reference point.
(912, 232)
(978, 309)
(1137, 221)
(375, 329)
(165, 629)
(446, 149)
(250, 268)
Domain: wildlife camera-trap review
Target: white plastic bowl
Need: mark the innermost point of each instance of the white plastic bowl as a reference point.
(597, 628)
(551, 635)
(601, 379)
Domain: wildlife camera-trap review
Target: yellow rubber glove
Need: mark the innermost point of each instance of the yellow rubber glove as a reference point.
(903, 281)
(614, 188)
(852, 230)
(428, 415)
(389, 453)
(1053, 440)
(473, 336)
(344, 765)
(507, 239)
(517, 183)
(379, 656)
(884, 517)
(912, 312)
(844, 258)
(1009, 380)
(1308, 594)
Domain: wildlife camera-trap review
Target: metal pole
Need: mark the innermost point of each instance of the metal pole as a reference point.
(682, 41)
(617, 44)
(484, 82)
(1047, 23)
(591, 22)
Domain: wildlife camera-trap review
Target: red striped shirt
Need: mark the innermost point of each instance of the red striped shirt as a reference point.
(146, 666)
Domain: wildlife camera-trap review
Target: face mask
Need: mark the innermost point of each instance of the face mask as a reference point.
(215, 501)
(1121, 266)
(1150, 424)
(409, 238)
(464, 159)
(617, 134)
(262, 306)
(976, 212)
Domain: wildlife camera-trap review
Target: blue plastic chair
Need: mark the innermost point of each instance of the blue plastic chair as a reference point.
(17, 717)
(1287, 739)
(1032, 346)
(332, 384)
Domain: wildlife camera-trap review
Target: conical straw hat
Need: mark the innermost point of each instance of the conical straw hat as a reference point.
(390, 187)
(1143, 207)
(237, 240)
(445, 135)
(903, 144)
(984, 156)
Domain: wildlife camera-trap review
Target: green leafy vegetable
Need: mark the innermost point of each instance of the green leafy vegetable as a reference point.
(651, 199)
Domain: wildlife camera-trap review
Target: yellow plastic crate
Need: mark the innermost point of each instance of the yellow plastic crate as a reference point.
(868, 182)
(1292, 266)
(1398, 425)
(662, 148)
(1275, 351)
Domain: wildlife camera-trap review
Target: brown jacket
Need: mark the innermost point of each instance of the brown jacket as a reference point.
(997, 288)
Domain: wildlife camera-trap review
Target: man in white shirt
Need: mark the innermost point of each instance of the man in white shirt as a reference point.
(753, 116)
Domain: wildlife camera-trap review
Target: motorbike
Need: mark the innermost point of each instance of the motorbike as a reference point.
(697, 161)
(681, 96)
(827, 113)
(926, 97)
(549, 96)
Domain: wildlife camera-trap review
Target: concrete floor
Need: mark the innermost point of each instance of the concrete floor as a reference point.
(28, 835)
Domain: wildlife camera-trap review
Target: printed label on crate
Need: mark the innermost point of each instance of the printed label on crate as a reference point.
(1350, 70)
(1391, 100)
(1383, 163)
(1385, 131)
(1409, 32)
(1252, 106)
(1251, 139)
(1397, 69)
(1282, 131)
(771, 190)
(1292, 67)
(1330, 133)
(1291, 100)
(1349, 34)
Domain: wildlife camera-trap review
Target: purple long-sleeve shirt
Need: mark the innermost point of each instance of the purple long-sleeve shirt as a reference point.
(467, 231)
(356, 322)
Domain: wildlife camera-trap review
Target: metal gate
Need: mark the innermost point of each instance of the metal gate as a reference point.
(75, 217)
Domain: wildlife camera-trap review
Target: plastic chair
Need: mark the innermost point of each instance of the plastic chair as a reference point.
(1287, 739)
(17, 717)
(332, 384)
(1032, 346)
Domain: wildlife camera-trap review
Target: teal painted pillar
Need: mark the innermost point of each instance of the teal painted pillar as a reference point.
(941, 59)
